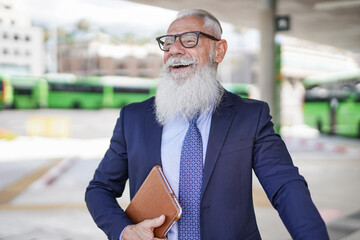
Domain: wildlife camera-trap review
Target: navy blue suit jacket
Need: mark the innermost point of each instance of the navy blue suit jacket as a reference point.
(241, 139)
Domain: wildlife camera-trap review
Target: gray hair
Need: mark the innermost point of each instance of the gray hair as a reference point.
(210, 21)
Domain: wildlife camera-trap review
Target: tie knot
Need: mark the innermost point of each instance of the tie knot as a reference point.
(194, 119)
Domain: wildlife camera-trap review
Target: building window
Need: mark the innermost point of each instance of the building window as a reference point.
(27, 38)
(5, 51)
(5, 36)
(121, 66)
(27, 53)
(16, 37)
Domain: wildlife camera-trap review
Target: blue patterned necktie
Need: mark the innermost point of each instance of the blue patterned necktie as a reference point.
(191, 172)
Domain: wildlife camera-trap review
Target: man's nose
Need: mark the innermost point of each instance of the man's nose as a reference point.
(177, 48)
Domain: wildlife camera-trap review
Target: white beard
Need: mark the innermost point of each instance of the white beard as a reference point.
(186, 94)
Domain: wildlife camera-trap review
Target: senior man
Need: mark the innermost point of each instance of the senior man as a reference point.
(208, 141)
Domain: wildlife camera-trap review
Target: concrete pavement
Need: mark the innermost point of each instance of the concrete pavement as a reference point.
(47, 178)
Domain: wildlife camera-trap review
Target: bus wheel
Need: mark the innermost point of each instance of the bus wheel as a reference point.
(319, 125)
(76, 105)
(358, 130)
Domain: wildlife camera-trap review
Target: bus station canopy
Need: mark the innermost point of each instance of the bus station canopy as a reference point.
(331, 77)
(335, 23)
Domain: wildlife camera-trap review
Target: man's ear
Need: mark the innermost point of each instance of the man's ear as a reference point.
(220, 50)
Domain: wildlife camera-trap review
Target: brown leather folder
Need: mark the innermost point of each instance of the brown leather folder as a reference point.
(154, 198)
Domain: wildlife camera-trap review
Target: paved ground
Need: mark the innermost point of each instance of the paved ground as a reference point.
(42, 180)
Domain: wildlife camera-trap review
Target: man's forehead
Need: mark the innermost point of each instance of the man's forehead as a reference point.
(185, 24)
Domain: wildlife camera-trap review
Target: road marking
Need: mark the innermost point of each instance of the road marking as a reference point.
(10, 192)
(48, 126)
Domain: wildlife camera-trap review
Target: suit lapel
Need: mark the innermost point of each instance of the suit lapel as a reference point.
(220, 125)
(153, 132)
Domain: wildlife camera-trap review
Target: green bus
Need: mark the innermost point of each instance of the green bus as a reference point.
(93, 92)
(67, 91)
(29, 92)
(333, 106)
(119, 90)
(6, 93)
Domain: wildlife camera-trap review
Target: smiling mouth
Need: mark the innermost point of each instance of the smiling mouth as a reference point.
(181, 66)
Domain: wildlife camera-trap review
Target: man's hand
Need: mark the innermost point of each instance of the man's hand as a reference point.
(143, 230)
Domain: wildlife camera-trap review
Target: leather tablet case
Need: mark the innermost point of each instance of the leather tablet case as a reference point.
(154, 198)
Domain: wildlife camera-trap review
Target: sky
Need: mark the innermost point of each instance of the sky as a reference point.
(103, 12)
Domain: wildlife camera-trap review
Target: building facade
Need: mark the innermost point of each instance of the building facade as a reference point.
(94, 54)
(21, 44)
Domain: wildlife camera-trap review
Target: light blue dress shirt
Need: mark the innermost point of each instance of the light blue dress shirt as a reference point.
(173, 135)
(172, 139)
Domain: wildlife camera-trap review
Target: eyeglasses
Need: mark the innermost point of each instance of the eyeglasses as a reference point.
(187, 39)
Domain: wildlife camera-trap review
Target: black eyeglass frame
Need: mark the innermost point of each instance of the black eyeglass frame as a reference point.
(198, 33)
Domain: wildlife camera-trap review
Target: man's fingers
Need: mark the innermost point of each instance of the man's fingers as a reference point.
(160, 221)
(143, 230)
(155, 222)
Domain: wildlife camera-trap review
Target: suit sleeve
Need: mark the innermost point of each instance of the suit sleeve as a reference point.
(108, 184)
(286, 189)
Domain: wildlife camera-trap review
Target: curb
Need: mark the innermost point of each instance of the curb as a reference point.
(323, 145)
(53, 174)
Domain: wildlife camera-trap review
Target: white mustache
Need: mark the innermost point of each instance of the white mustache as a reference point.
(178, 61)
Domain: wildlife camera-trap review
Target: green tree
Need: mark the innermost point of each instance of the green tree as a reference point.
(83, 25)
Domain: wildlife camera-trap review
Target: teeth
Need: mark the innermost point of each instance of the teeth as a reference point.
(178, 62)
(179, 65)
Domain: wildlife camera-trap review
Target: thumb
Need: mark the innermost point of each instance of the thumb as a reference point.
(155, 222)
